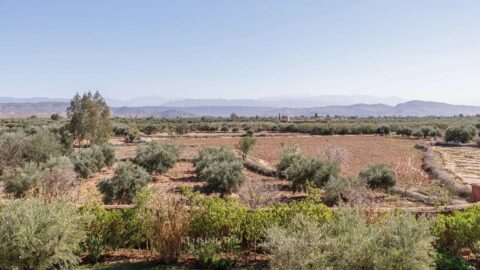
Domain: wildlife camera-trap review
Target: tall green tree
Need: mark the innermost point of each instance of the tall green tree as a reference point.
(89, 118)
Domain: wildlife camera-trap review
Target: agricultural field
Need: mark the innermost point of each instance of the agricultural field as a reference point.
(140, 191)
(462, 162)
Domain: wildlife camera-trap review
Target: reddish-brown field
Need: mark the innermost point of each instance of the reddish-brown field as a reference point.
(359, 151)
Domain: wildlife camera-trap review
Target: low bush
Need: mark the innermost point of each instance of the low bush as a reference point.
(304, 171)
(405, 131)
(157, 157)
(348, 242)
(120, 130)
(460, 134)
(12, 150)
(49, 180)
(221, 169)
(123, 186)
(42, 146)
(352, 190)
(227, 221)
(477, 141)
(133, 135)
(383, 130)
(37, 235)
(458, 230)
(288, 155)
(446, 260)
(20, 181)
(379, 176)
(93, 159)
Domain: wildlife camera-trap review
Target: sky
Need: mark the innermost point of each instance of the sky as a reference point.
(414, 49)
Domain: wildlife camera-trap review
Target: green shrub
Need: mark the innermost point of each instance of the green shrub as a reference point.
(383, 130)
(133, 135)
(313, 171)
(108, 155)
(288, 155)
(124, 185)
(120, 130)
(445, 260)
(221, 169)
(245, 144)
(49, 180)
(42, 146)
(378, 176)
(93, 159)
(55, 117)
(36, 235)
(230, 222)
(84, 162)
(216, 217)
(149, 129)
(157, 157)
(460, 134)
(12, 150)
(477, 140)
(461, 229)
(349, 242)
(20, 181)
(405, 131)
(113, 229)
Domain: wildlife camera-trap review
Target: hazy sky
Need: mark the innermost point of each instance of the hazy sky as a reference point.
(417, 49)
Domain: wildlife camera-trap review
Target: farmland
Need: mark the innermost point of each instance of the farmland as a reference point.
(189, 178)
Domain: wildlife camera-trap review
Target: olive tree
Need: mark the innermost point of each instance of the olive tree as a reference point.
(460, 134)
(379, 176)
(123, 186)
(221, 169)
(157, 157)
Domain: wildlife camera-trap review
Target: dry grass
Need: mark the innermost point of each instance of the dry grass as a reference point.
(462, 162)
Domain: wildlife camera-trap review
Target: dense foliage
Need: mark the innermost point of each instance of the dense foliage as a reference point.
(348, 241)
(123, 186)
(460, 134)
(221, 169)
(379, 176)
(89, 117)
(157, 157)
(93, 159)
(36, 235)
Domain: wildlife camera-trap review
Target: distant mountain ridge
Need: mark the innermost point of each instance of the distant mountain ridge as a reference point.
(409, 108)
(297, 101)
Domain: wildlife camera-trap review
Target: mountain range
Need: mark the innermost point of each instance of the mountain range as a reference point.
(294, 101)
(217, 108)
